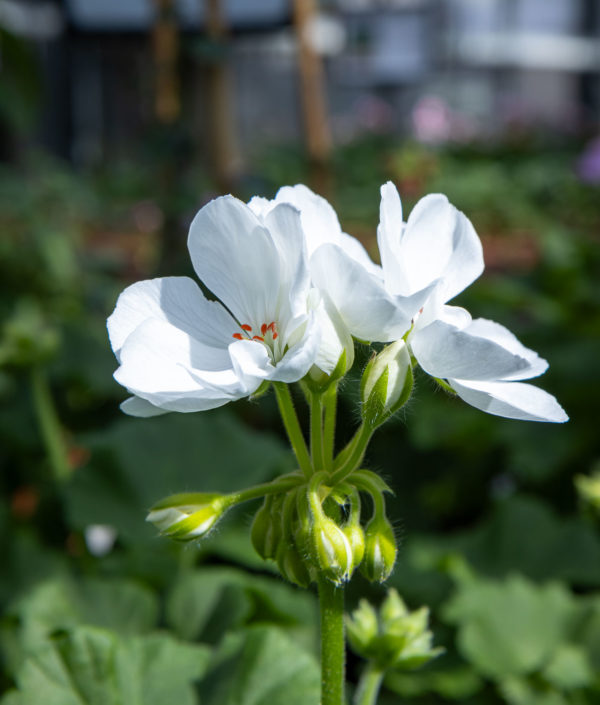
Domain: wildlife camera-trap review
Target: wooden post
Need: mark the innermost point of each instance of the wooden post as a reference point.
(219, 105)
(312, 86)
(167, 104)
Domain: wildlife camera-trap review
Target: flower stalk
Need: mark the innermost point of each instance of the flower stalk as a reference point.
(292, 427)
(333, 651)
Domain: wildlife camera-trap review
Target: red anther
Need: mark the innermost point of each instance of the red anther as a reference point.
(258, 337)
(263, 329)
(274, 336)
(271, 326)
(245, 326)
(238, 336)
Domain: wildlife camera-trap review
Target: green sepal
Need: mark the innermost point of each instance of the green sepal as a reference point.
(185, 499)
(261, 391)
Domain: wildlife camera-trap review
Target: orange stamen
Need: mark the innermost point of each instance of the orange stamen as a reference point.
(274, 336)
(258, 337)
(263, 329)
(238, 336)
(245, 326)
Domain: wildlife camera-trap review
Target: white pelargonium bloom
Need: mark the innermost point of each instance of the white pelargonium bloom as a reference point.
(179, 351)
(483, 362)
(321, 227)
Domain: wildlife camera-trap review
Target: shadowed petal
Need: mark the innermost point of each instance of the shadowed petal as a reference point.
(513, 400)
(177, 300)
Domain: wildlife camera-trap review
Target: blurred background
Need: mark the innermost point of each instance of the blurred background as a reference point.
(118, 120)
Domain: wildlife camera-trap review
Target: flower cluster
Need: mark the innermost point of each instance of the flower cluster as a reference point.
(290, 292)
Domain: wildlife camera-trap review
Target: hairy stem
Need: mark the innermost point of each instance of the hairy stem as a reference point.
(369, 685)
(330, 406)
(316, 431)
(292, 426)
(333, 652)
(351, 459)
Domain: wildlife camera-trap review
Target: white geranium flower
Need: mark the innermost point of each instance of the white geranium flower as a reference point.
(437, 249)
(321, 226)
(482, 361)
(178, 351)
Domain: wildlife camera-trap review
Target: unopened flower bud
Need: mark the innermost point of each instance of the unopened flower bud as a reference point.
(362, 628)
(356, 537)
(398, 639)
(331, 549)
(387, 383)
(291, 565)
(264, 533)
(188, 516)
(380, 550)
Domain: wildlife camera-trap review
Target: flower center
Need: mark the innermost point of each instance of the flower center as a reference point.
(268, 336)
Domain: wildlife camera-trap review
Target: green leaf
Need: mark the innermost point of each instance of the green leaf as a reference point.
(510, 628)
(137, 462)
(569, 668)
(207, 602)
(261, 666)
(59, 604)
(91, 666)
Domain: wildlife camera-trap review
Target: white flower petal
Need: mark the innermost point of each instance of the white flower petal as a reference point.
(427, 241)
(501, 335)
(319, 221)
(437, 242)
(389, 234)
(301, 356)
(135, 406)
(466, 261)
(234, 256)
(355, 249)
(445, 351)
(367, 309)
(513, 400)
(283, 223)
(251, 363)
(335, 337)
(157, 362)
(177, 300)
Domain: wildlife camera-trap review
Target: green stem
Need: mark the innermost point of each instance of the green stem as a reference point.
(333, 653)
(330, 407)
(49, 425)
(281, 484)
(316, 431)
(369, 685)
(292, 426)
(356, 450)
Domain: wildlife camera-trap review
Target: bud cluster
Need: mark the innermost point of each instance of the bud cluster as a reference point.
(394, 638)
(316, 529)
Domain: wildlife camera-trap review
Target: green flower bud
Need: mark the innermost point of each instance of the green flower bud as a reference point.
(396, 639)
(386, 383)
(588, 488)
(264, 533)
(28, 338)
(380, 550)
(331, 549)
(291, 565)
(188, 516)
(362, 628)
(356, 538)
